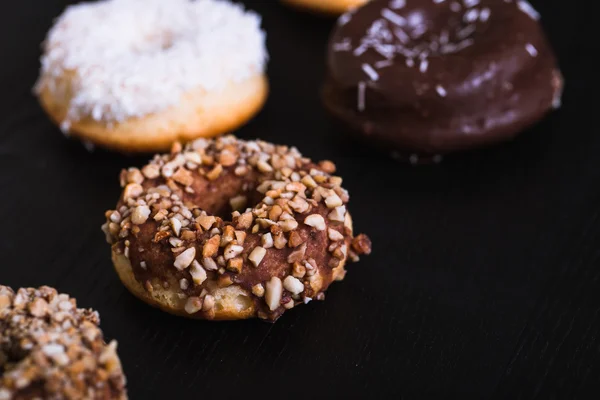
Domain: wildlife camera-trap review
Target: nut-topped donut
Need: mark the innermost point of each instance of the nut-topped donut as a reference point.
(137, 75)
(231, 229)
(50, 349)
(428, 77)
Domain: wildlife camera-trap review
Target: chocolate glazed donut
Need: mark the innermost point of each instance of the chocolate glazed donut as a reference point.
(429, 77)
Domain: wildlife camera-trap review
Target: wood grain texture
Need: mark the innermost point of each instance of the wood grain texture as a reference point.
(485, 276)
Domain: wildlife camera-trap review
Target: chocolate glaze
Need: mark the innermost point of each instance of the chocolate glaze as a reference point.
(440, 77)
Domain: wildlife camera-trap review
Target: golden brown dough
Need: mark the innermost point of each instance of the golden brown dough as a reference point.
(231, 229)
(335, 7)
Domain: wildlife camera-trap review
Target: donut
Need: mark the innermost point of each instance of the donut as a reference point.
(50, 349)
(335, 7)
(137, 75)
(227, 229)
(423, 78)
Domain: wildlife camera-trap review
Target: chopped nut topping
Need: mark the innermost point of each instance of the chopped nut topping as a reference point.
(327, 166)
(245, 220)
(273, 293)
(293, 285)
(258, 290)
(232, 250)
(235, 265)
(206, 221)
(210, 264)
(298, 270)
(184, 260)
(334, 235)
(267, 240)
(140, 214)
(134, 176)
(280, 241)
(193, 305)
(132, 191)
(51, 349)
(184, 284)
(264, 166)
(176, 225)
(151, 171)
(288, 225)
(160, 215)
(198, 273)
(209, 303)
(188, 235)
(240, 237)
(257, 255)
(211, 246)
(297, 255)
(309, 182)
(316, 221)
(362, 244)
(183, 176)
(215, 172)
(333, 201)
(338, 214)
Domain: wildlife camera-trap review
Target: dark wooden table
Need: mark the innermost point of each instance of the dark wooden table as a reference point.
(485, 276)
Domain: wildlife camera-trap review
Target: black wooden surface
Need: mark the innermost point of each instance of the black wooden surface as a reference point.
(484, 280)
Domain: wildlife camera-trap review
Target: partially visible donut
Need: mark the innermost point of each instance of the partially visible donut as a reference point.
(231, 229)
(137, 75)
(422, 78)
(335, 7)
(50, 349)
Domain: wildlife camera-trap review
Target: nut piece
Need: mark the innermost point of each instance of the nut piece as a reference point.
(140, 214)
(176, 225)
(132, 191)
(198, 273)
(333, 201)
(183, 176)
(206, 221)
(316, 221)
(257, 255)
(151, 171)
(193, 305)
(209, 303)
(334, 235)
(215, 172)
(211, 246)
(297, 255)
(238, 202)
(235, 265)
(338, 214)
(258, 290)
(273, 293)
(267, 240)
(184, 260)
(293, 285)
(232, 251)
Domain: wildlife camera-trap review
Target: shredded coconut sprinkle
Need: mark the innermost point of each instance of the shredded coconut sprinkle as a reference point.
(528, 9)
(393, 17)
(531, 50)
(441, 91)
(370, 71)
(397, 4)
(361, 95)
(131, 58)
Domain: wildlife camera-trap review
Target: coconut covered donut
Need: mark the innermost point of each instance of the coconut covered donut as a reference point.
(50, 349)
(335, 7)
(229, 229)
(137, 75)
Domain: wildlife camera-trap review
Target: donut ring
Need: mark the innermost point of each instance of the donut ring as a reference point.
(335, 7)
(50, 349)
(152, 72)
(289, 235)
(427, 78)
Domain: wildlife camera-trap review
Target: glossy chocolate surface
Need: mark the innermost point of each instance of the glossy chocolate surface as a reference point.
(431, 77)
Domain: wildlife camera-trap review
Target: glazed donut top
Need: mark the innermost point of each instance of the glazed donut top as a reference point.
(239, 212)
(443, 55)
(121, 59)
(50, 349)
